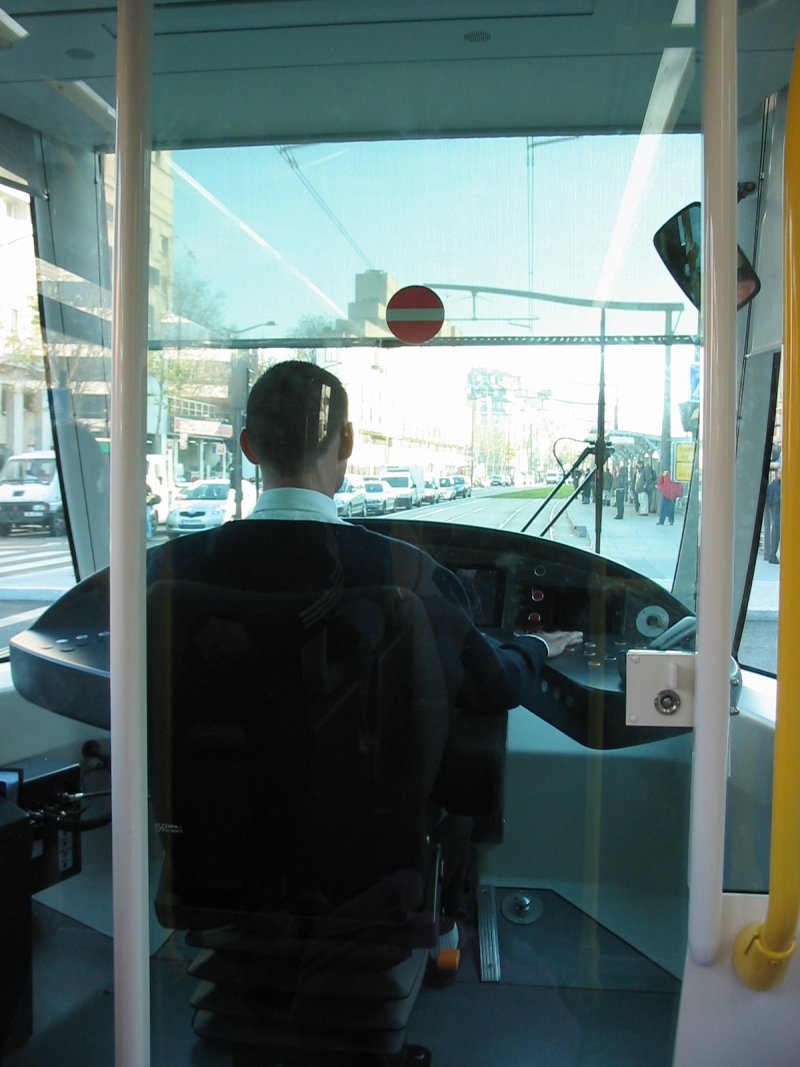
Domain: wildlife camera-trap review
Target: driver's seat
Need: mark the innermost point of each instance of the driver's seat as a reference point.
(294, 748)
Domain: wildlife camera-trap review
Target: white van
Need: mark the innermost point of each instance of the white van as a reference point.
(30, 493)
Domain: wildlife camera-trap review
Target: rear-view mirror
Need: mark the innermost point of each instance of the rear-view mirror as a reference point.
(679, 243)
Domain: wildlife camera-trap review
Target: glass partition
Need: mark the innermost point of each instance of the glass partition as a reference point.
(309, 163)
(555, 311)
(541, 444)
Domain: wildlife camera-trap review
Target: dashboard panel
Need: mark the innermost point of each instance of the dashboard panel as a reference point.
(521, 584)
(515, 584)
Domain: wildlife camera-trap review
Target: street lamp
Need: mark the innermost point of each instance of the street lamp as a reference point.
(247, 329)
(233, 338)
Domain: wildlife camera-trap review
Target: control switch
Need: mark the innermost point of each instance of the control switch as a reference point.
(659, 688)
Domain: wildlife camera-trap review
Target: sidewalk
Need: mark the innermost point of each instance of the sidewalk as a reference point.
(638, 542)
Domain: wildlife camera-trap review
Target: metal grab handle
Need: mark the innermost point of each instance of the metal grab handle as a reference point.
(762, 951)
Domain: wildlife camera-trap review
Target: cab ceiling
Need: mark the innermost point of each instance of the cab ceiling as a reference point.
(282, 71)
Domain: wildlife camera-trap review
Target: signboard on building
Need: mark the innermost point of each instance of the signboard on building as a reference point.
(201, 427)
(683, 460)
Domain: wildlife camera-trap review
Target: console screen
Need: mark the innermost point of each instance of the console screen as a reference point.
(484, 592)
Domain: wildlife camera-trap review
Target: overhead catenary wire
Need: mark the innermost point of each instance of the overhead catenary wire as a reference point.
(289, 157)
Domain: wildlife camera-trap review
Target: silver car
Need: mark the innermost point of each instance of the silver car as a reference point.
(207, 504)
(380, 496)
(350, 497)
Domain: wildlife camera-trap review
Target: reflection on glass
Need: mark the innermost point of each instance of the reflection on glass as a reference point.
(679, 243)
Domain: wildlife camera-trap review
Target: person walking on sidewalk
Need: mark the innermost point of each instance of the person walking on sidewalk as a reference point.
(670, 492)
(640, 489)
(773, 515)
(620, 488)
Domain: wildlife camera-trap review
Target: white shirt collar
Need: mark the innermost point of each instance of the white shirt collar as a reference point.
(293, 504)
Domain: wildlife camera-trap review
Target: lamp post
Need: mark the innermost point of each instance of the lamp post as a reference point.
(247, 329)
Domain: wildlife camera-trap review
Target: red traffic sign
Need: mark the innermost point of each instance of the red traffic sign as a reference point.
(415, 314)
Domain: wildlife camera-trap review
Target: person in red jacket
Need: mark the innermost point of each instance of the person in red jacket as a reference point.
(670, 492)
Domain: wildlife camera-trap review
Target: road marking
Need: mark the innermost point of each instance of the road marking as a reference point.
(10, 555)
(523, 507)
(15, 568)
(22, 616)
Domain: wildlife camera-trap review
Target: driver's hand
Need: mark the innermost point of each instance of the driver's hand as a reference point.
(560, 640)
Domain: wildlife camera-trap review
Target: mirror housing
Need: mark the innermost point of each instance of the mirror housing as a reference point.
(679, 243)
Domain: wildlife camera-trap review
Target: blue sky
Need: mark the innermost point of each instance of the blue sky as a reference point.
(465, 211)
(568, 216)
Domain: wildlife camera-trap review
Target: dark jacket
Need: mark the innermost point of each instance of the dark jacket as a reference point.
(485, 676)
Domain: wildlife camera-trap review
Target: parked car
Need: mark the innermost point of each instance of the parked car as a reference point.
(447, 488)
(30, 493)
(496, 479)
(552, 477)
(463, 486)
(207, 504)
(380, 496)
(430, 492)
(350, 497)
(407, 483)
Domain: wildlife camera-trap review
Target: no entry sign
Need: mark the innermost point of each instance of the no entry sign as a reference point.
(415, 314)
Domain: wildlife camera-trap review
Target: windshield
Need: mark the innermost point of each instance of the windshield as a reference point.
(18, 469)
(565, 358)
(374, 487)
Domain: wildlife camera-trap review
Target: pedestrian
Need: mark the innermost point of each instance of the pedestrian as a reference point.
(670, 492)
(151, 520)
(651, 483)
(772, 531)
(619, 486)
(640, 489)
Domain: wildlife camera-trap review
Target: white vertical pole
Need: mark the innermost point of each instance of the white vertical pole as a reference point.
(127, 592)
(715, 559)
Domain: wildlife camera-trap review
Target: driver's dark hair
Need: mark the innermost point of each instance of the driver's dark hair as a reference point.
(294, 411)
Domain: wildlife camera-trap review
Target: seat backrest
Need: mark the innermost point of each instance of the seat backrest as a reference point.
(293, 746)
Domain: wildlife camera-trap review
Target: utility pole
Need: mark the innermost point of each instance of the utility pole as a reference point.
(238, 388)
(665, 459)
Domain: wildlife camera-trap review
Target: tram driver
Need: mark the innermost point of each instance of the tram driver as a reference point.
(297, 431)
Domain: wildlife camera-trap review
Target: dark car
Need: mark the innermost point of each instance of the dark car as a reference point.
(462, 485)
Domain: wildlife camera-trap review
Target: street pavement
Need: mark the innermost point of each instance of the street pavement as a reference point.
(40, 569)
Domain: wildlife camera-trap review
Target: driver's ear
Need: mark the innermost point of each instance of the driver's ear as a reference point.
(247, 448)
(346, 441)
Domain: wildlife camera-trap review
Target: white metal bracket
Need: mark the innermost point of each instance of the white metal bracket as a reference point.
(659, 688)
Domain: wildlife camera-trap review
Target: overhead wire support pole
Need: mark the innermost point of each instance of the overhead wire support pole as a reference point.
(600, 454)
(127, 537)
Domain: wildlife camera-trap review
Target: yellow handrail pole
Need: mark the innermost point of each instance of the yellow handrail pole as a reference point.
(762, 951)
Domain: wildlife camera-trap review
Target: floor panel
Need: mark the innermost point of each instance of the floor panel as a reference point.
(571, 994)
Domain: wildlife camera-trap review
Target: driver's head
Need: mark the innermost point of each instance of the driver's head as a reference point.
(296, 418)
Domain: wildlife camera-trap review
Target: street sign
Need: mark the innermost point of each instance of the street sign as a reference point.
(683, 461)
(415, 314)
